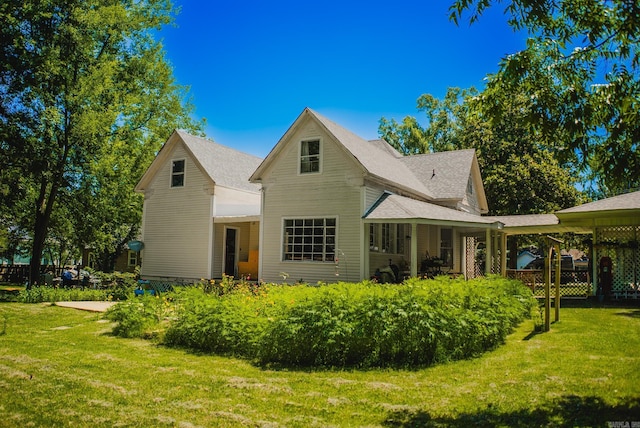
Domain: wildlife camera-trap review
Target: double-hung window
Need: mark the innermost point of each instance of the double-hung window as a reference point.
(177, 173)
(387, 238)
(446, 246)
(309, 239)
(309, 156)
(133, 258)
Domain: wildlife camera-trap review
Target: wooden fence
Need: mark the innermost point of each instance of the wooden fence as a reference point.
(573, 283)
(19, 274)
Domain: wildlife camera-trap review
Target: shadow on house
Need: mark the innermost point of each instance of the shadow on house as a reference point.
(567, 411)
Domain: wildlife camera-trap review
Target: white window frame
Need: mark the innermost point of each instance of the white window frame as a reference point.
(300, 156)
(183, 173)
(387, 238)
(133, 255)
(446, 252)
(290, 253)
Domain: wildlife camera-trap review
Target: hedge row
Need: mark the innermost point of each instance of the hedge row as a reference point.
(420, 322)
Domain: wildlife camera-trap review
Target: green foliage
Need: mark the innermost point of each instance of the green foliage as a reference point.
(60, 369)
(120, 285)
(509, 155)
(51, 294)
(139, 317)
(364, 325)
(580, 73)
(86, 100)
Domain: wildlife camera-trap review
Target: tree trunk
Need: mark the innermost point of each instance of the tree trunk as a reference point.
(44, 207)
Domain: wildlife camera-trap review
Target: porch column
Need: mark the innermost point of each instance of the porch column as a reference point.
(488, 252)
(364, 242)
(503, 255)
(414, 250)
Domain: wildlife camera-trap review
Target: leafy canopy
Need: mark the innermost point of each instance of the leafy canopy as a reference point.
(580, 73)
(80, 82)
(520, 174)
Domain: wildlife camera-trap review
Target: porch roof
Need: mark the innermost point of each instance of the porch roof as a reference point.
(621, 210)
(526, 224)
(236, 218)
(400, 209)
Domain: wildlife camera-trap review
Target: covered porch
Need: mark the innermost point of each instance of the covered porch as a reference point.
(424, 240)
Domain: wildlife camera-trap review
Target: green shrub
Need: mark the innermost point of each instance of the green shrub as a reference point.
(120, 285)
(417, 323)
(141, 317)
(39, 294)
(420, 322)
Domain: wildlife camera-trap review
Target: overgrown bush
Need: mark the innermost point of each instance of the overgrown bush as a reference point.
(420, 322)
(120, 285)
(417, 323)
(39, 294)
(140, 317)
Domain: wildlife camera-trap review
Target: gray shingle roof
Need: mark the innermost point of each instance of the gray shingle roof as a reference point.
(527, 220)
(627, 201)
(396, 207)
(445, 174)
(226, 166)
(376, 156)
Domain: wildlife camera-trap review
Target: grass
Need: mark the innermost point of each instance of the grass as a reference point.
(63, 367)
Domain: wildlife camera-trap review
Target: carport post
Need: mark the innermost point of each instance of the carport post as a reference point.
(553, 244)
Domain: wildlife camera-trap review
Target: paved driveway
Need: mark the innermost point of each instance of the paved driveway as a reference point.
(87, 306)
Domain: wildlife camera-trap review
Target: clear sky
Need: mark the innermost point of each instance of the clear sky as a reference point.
(253, 66)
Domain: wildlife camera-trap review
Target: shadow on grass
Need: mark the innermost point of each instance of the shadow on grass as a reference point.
(633, 314)
(567, 411)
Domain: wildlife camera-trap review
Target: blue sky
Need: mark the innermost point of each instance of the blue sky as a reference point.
(253, 66)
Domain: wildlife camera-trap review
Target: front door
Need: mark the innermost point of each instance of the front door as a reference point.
(230, 251)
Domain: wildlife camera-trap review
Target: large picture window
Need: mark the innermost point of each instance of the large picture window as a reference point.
(309, 239)
(177, 173)
(309, 156)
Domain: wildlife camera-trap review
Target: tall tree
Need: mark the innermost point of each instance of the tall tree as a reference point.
(580, 72)
(521, 175)
(77, 79)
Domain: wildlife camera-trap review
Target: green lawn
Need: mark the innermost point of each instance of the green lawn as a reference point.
(62, 367)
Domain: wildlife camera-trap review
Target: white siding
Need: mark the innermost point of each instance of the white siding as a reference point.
(177, 224)
(371, 195)
(232, 202)
(333, 193)
(470, 200)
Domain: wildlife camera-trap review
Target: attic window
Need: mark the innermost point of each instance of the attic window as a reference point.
(470, 186)
(309, 156)
(177, 173)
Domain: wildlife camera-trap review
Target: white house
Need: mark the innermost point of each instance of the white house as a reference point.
(201, 214)
(330, 195)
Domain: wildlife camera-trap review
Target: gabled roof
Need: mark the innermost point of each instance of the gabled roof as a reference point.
(627, 201)
(382, 162)
(443, 172)
(390, 207)
(223, 165)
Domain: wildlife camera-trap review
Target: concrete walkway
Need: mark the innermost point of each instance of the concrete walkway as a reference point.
(87, 306)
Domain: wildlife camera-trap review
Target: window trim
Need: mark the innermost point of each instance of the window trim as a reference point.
(283, 242)
(447, 249)
(320, 155)
(132, 255)
(172, 173)
(395, 235)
